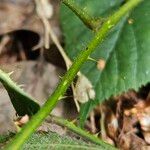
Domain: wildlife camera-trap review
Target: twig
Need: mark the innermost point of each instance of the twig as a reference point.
(75, 97)
(40, 12)
(92, 121)
(102, 122)
(51, 33)
(3, 42)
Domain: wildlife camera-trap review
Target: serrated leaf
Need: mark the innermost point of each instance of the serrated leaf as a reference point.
(126, 49)
(50, 140)
(22, 102)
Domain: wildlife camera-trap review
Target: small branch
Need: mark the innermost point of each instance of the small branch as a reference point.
(86, 18)
(4, 41)
(50, 32)
(41, 14)
(51, 102)
(80, 132)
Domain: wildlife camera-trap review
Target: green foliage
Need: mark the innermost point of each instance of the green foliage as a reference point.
(37, 119)
(55, 141)
(5, 138)
(22, 102)
(126, 49)
(42, 141)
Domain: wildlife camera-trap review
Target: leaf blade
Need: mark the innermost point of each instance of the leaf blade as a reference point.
(125, 50)
(22, 102)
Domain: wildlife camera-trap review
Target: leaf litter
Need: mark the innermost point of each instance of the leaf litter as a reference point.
(124, 120)
(33, 69)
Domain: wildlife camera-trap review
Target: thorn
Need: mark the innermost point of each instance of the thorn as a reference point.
(21, 85)
(92, 59)
(63, 97)
(60, 98)
(10, 73)
(60, 77)
(74, 121)
(96, 134)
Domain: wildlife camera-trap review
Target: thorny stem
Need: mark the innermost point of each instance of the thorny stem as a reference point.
(39, 117)
(71, 126)
(82, 13)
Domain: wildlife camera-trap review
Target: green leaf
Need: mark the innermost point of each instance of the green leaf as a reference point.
(22, 102)
(42, 141)
(85, 110)
(126, 49)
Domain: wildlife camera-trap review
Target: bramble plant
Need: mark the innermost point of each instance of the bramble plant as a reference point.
(117, 39)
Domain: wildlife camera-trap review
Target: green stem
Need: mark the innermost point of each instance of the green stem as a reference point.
(80, 132)
(39, 117)
(88, 20)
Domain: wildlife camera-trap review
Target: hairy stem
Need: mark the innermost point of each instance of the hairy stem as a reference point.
(80, 131)
(39, 117)
(82, 13)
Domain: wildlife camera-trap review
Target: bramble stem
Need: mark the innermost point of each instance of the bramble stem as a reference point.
(82, 13)
(39, 117)
(80, 132)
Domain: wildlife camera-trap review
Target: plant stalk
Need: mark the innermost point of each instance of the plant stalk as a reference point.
(80, 132)
(39, 117)
(91, 22)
